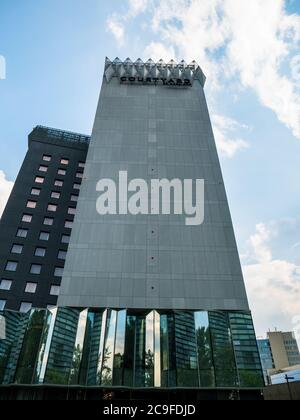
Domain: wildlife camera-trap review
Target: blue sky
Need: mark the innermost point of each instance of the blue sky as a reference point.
(55, 50)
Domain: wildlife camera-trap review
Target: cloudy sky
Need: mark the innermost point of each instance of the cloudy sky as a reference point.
(250, 52)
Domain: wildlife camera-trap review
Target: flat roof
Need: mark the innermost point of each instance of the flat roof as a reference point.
(59, 137)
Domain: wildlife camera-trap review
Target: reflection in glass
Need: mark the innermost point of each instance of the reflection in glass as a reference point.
(101, 346)
(246, 350)
(109, 349)
(157, 355)
(10, 346)
(140, 351)
(164, 350)
(129, 350)
(149, 350)
(78, 348)
(223, 352)
(186, 351)
(43, 355)
(204, 347)
(62, 347)
(30, 347)
(88, 371)
(119, 349)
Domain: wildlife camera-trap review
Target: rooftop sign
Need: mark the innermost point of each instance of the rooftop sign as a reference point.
(171, 74)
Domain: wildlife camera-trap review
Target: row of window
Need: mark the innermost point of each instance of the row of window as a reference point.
(54, 194)
(290, 342)
(63, 161)
(45, 236)
(293, 353)
(61, 172)
(48, 221)
(57, 183)
(39, 252)
(29, 288)
(24, 307)
(51, 207)
(36, 269)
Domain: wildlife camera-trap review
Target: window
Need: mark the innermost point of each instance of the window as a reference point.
(72, 211)
(79, 175)
(17, 249)
(25, 307)
(74, 198)
(48, 221)
(65, 239)
(62, 172)
(47, 158)
(58, 272)
(5, 284)
(44, 236)
(58, 183)
(55, 195)
(40, 252)
(39, 180)
(31, 204)
(35, 191)
(76, 186)
(54, 290)
(68, 224)
(81, 165)
(62, 255)
(22, 233)
(35, 269)
(43, 168)
(2, 304)
(52, 208)
(11, 266)
(30, 288)
(64, 161)
(27, 218)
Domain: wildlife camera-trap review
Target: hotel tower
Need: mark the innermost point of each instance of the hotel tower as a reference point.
(147, 304)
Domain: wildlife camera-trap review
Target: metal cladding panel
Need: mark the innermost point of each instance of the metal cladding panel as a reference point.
(153, 130)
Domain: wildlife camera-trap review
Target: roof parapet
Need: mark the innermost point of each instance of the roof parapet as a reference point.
(150, 69)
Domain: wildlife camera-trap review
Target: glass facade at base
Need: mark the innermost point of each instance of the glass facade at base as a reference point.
(134, 349)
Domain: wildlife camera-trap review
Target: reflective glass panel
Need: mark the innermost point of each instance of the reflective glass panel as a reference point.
(109, 347)
(119, 349)
(223, 352)
(149, 350)
(204, 348)
(78, 348)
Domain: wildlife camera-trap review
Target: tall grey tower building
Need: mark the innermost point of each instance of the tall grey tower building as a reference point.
(153, 130)
(151, 301)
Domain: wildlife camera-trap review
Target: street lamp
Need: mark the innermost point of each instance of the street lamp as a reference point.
(288, 379)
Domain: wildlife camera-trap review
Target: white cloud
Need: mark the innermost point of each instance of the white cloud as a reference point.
(5, 190)
(273, 284)
(157, 50)
(137, 6)
(295, 69)
(262, 36)
(116, 28)
(234, 40)
(227, 141)
(116, 23)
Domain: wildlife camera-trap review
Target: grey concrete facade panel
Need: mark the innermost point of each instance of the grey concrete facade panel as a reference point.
(153, 261)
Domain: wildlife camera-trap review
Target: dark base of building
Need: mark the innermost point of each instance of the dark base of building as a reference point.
(178, 396)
